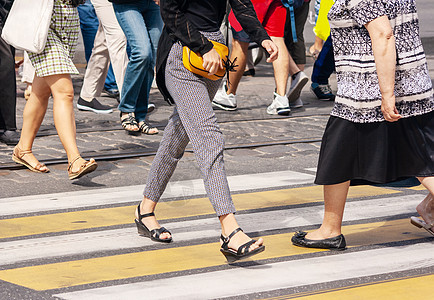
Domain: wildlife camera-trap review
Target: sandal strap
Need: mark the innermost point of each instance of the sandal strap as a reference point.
(228, 238)
(157, 232)
(73, 161)
(129, 120)
(20, 153)
(245, 247)
(151, 214)
(145, 127)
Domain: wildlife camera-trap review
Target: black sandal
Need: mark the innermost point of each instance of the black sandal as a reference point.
(129, 119)
(146, 128)
(153, 234)
(242, 252)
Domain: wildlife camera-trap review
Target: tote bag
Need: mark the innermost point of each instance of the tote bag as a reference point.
(27, 24)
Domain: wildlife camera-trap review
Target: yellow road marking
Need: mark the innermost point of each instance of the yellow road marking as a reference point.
(402, 288)
(72, 273)
(168, 210)
(419, 188)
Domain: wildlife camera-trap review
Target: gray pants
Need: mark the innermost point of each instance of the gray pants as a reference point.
(193, 119)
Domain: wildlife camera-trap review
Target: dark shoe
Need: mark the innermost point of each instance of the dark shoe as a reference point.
(112, 93)
(153, 234)
(94, 106)
(10, 137)
(334, 243)
(322, 91)
(249, 72)
(243, 250)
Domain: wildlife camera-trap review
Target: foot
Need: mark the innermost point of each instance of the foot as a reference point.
(426, 210)
(147, 128)
(128, 122)
(77, 164)
(28, 159)
(150, 222)
(10, 137)
(322, 91)
(298, 81)
(279, 106)
(225, 101)
(321, 234)
(94, 106)
(298, 103)
(240, 238)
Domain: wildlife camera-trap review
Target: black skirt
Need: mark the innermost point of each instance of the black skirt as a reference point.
(376, 153)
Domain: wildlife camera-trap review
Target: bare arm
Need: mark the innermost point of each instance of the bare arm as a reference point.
(383, 46)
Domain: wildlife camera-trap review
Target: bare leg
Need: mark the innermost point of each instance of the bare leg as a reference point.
(335, 197)
(34, 113)
(63, 112)
(426, 207)
(239, 50)
(281, 66)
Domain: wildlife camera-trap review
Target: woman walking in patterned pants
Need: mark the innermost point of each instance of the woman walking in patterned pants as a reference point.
(194, 23)
(54, 67)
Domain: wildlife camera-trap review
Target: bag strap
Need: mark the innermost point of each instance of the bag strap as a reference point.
(289, 4)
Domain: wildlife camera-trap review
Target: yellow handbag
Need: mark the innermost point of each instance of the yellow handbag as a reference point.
(194, 62)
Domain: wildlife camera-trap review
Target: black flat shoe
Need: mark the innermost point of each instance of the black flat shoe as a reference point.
(334, 243)
(242, 252)
(153, 234)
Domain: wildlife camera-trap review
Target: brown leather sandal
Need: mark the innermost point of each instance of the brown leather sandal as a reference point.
(17, 156)
(85, 168)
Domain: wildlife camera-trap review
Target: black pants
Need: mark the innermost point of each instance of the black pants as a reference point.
(8, 88)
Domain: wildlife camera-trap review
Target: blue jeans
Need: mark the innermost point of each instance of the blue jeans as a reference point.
(89, 26)
(325, 64)
(142, 25)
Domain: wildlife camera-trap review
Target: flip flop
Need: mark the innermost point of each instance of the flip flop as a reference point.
(422, 224)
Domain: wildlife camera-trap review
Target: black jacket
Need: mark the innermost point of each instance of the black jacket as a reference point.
(178, 28)
(5, 7)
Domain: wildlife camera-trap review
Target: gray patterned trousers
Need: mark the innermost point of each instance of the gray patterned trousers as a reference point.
(194, 120)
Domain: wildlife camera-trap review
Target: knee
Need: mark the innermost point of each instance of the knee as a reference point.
(142, 56)
(66, 95)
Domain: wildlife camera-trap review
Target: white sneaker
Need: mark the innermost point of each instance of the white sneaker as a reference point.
(279, 106)
(296, 87)
(223, 100)
(296, 104)
(151, 107)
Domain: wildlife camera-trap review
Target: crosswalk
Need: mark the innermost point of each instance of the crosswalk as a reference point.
(84, 245)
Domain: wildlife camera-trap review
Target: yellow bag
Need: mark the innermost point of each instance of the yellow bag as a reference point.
(194, 62)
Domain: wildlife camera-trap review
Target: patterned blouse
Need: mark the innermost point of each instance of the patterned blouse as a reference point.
(358, 96)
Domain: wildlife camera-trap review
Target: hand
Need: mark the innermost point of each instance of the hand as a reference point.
(389, 110)
(271, 48)
(18, 63)
(212, 61)
(157, 2)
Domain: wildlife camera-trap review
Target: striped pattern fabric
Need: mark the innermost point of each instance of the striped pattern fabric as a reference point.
(194, 120)
(61, 42)
(358, 96)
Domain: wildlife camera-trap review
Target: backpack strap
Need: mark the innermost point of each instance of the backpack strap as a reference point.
(289, 4)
